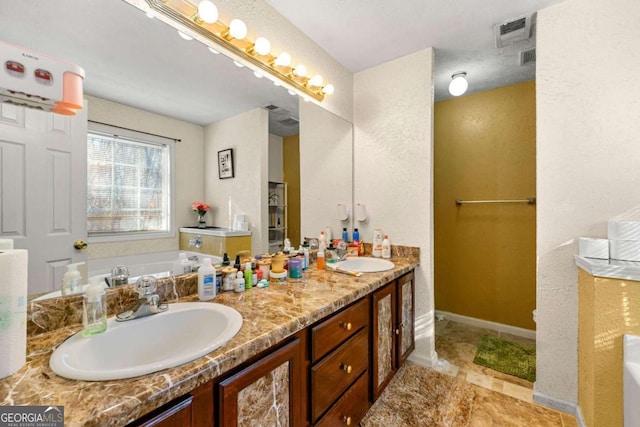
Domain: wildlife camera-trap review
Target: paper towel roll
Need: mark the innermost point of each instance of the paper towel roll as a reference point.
(6, 244)
(13, 311)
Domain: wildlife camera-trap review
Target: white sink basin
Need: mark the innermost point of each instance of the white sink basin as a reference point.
(365, 264)
(186, 331)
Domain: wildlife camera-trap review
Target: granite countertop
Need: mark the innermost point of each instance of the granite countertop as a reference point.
(270, 315)
(609, 268)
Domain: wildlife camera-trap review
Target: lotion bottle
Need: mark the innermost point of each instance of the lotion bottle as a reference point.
(376, 249)
(248, 276)
(206, 280)
(386, 247)
(239, 282)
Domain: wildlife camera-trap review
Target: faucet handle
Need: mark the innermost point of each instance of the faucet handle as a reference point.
(145, 286)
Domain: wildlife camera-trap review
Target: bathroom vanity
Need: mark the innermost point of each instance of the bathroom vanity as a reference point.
(306, 355)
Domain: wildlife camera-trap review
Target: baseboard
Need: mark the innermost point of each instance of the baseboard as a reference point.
(560, 405)
(500, 327)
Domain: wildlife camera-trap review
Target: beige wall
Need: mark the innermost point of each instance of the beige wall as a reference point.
(248, 135)
(609, 308)
(188, 163)
(291, 161)
(393, 134)
(587, 161)
(485, 255)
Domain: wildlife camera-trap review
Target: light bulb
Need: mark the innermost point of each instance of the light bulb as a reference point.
(328, 89)
(300, 70)
(262, 46)
(207, 11)
(458, 84)
(283, 60)
(212, 50)
(316, 81)
(237, 29)
(184, 36)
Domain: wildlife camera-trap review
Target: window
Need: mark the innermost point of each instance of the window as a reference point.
(129, 184)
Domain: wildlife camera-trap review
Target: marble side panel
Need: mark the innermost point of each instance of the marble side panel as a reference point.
(266, 400)
(270, 315)
(385, 338)
(407, 318)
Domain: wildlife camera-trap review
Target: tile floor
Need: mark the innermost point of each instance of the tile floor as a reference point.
(501, 400)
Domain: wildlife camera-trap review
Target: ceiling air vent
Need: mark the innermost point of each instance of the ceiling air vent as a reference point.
(289, 122)
(513, 30)
(528, 56)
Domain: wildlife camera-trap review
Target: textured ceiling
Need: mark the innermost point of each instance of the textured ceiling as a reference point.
(364, 33)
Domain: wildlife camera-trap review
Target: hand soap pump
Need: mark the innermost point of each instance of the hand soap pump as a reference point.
(94, 309)
(72, 280)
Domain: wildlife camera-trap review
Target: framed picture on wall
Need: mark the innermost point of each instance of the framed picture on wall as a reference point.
(225, 163)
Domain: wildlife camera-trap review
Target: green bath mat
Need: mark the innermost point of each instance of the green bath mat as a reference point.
(507, 357)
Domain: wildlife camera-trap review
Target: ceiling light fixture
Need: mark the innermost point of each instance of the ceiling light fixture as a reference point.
(458, 84)
(200, 20)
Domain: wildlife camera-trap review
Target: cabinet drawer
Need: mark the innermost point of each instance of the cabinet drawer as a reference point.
(329, 334)
(351, 407)
(331, 377)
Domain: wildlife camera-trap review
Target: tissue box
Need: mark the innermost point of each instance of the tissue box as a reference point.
(625, 250)
(623, 230)
(593, 248)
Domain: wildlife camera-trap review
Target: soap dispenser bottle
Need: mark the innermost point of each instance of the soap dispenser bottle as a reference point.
(386, 247)
(72, 281)
(94, 309)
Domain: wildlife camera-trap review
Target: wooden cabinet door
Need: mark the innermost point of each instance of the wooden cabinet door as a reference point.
(405, 327)
(194, 409)
(269, 390)
(384, 343)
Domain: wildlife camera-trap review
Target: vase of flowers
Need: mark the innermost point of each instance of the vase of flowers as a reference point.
(201, 208)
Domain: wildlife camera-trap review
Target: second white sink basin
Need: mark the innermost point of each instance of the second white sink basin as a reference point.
(365, 264)
(185, 332)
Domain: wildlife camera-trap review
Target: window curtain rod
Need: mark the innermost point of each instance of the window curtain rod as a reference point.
(135, 130)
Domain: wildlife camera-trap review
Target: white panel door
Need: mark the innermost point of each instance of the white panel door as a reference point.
(43, 189)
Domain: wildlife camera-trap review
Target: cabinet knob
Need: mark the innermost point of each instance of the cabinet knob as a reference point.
(397, 331)
(348, 326)
(79, 244)
(346, 368)
(403, 324)
(346, 420)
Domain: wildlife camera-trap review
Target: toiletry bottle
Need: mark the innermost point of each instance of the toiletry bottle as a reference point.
(320, 260)
(356, 237)
(182, 265)
(206, 280)
(94, 309)
(236, 263)
(305, 253)
(225, 260)
(248, 276)
(386, 247)
(72, 280)
(376, 249)
(239, 285)
(345, 235)
(322, 242)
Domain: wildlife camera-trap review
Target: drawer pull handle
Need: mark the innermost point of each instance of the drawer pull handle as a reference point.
(346, 368)
(348, 326)
(346, 420)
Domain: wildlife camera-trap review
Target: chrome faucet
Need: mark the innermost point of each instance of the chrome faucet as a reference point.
(148, 302)
(196, 241)
(341, 251)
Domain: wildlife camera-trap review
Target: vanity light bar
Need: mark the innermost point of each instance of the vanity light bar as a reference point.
(186, 14)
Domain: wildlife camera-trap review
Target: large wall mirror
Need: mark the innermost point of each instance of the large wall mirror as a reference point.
(133, 61)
